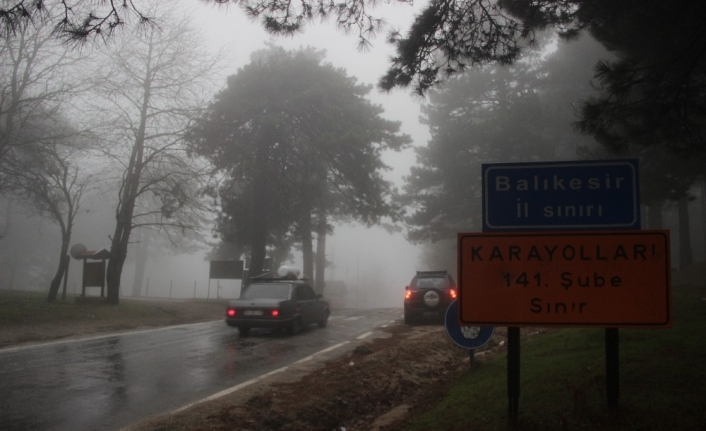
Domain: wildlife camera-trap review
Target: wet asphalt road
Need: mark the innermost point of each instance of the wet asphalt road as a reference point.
(106, 383)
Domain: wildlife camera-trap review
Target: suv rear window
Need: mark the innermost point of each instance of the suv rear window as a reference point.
(430, 282)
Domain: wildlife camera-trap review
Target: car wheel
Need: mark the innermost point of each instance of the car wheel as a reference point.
(244, 331)
(324, 320)
(295, 326)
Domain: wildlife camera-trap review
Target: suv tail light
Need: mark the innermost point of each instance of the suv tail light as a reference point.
(407, 294)
(453, 293)
(230, 312)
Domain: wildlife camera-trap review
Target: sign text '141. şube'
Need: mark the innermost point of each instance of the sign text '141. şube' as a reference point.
(591, 278)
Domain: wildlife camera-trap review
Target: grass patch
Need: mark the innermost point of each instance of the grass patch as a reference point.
(25, 308)
(562, 387)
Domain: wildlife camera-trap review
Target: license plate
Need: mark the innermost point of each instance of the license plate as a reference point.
(252, 313)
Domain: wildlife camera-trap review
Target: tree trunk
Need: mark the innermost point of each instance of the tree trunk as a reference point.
(259, 238)
(56, 281)
(140, 263)
(129, 193)
(257, 255)
(686, 256)
(260, 209)
(321, 232)
(307, 245)
(118, 249)
(13, 271)
(63, 258)
(118, 253)
(8, 271)
(654, 216)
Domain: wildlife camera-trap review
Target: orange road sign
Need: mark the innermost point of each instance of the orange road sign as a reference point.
(580, 279)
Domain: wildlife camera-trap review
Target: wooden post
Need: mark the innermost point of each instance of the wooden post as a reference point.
(103, 282)
(66, 277)
(83, 279)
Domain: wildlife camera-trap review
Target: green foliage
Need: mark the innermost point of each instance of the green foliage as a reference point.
(518, 113)
(295, 136)
(449, 36)
(562, 381)
(665, 176)
(653, 92)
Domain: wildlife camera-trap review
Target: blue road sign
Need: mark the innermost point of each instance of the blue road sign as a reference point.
(572, 195)
(468, 337)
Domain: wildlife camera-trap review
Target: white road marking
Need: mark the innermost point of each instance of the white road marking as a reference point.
(366, 335)
(328, 349)
(255, 380)
(229, 390)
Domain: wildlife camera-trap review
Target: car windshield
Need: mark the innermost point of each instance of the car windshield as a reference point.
(432, 283)
(266, 291)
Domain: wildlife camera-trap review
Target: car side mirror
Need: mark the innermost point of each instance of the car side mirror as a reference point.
(407, 287)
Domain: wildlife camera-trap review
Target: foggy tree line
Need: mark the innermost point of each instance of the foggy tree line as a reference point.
(291, 144)
(298, 146)
(658, 45)
(645, 98)
(650, 92)
(530, 111)
(87, 123)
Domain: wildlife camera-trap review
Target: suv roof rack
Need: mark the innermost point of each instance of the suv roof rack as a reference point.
(440, 272)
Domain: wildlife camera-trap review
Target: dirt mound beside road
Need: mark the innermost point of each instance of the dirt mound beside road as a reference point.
(373, 385)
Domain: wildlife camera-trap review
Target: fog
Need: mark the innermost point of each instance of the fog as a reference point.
(374, 263)
(372, 260)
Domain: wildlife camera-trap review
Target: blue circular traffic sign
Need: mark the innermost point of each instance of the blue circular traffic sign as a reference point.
(468, 337)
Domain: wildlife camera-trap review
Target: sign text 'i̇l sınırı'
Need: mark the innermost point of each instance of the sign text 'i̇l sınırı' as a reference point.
(557, 183)
(573, 195)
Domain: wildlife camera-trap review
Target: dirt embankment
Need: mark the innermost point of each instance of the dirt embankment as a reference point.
(371, 387)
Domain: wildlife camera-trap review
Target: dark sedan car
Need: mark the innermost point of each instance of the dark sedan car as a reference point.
(277, 304)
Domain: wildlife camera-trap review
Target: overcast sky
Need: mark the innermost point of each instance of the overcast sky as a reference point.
(368, 257)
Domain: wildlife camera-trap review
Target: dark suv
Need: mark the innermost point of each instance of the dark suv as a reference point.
(429, 294)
